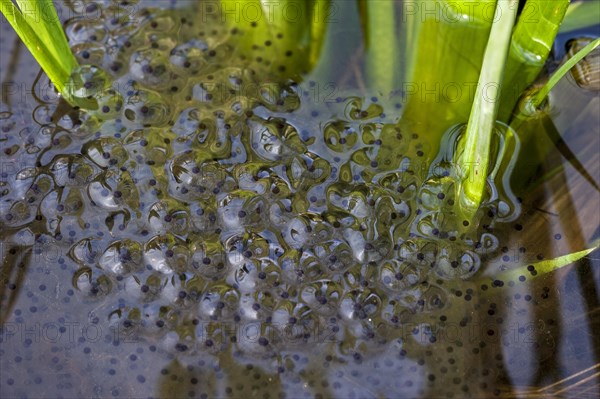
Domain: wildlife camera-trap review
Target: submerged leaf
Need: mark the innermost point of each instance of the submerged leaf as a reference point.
(545, 266)
(380, 38)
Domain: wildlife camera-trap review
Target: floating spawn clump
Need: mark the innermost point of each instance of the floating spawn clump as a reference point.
(208, 207)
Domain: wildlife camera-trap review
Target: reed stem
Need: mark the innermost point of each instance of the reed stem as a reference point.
(483, 113)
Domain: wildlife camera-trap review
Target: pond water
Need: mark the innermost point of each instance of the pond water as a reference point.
(227, 224)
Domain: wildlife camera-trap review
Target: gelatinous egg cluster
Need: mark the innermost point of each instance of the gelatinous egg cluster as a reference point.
(230, 227)
(202, 191)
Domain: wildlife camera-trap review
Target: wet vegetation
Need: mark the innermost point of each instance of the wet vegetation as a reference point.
(192, 212)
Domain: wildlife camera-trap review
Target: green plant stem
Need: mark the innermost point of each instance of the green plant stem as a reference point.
(37, 24)
(442, 46)
(380, 38)
(530, 46)
(483, 113)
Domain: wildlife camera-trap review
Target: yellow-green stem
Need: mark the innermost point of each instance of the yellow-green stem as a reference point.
(475, 157)
(530, 47)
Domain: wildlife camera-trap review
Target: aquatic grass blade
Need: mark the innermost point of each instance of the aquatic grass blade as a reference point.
(546, 266)
(31, 40)
(541, 95)
(37, 24)
(42, 15)
(532, 103)
(475, 157)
